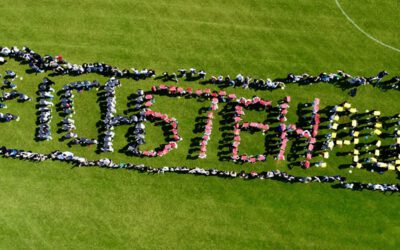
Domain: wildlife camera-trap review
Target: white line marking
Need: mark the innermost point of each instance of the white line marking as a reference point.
(362, 31)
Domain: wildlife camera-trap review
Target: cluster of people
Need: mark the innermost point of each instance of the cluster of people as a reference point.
(365, 155)
(257, 103)
(334, 125)
(109, 120)
(109, 102)
(266, 175)
(68, 126)
(283, 140)
(282, 111)
(370, 186)
(7, 117)
(215, 98)
(22, 154)
(67, 108)
(59, 65)
(341, 76)
(207, 130)
(172, 90)
(21, 97)
(83, 141)
(10, 76)
(81, 85)
(35, 61)
(377, 156)
(322, 77)
(65, 124)
(8, 84)
(311, 136)
(247, 82)
(66, 103)
(149, 100)
(137, 137)
(241, 103)
(206, 93)
(252, 126)
(44, 106)
(172, 144)
(190, 75)
(254, 101)
(338, 110)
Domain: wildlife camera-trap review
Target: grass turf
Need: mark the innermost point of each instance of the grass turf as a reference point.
(50, 205)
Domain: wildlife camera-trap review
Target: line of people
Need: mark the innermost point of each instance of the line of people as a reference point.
(109, 104)
(137, 136)
(21, 97)
(44, 106)
(265, 175)
(59, 65)
(207, 130)
(283, 140)
(7, 117)
(66, 105)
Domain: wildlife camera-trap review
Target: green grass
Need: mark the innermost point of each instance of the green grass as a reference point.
(51, 205)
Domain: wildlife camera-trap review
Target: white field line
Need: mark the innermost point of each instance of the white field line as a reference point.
(364, 32)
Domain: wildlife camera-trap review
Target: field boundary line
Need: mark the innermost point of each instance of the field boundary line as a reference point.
(363, 31)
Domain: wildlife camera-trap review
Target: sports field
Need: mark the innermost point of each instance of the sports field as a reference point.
(54, 205)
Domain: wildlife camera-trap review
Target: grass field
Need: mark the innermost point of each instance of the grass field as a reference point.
(51, 205)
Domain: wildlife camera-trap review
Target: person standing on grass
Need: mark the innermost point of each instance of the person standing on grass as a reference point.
(182, 72)
(202, 74)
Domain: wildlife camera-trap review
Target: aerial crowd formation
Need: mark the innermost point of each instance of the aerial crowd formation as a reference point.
(144, 100)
